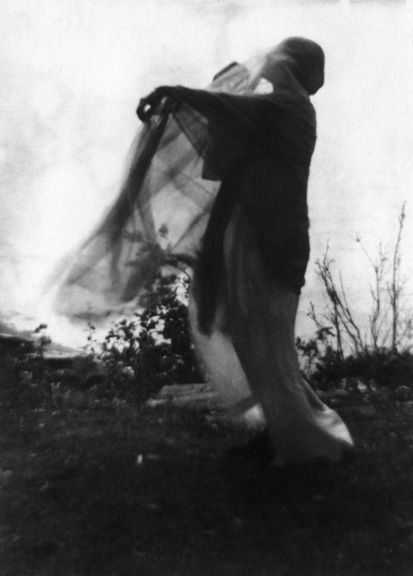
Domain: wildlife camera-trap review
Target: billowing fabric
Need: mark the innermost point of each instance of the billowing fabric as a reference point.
(160, 215)
(196, 141)
(218, 181)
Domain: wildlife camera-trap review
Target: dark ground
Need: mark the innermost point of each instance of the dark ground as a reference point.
(101, 488)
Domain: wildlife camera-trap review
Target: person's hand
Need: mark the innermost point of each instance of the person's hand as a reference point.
(149, 104)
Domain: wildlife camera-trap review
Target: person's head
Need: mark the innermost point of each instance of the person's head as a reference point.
(306, 59)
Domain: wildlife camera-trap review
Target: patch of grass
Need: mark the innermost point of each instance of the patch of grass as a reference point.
(100, 487)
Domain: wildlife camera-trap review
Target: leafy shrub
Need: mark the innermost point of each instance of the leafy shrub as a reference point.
(153, 349)
(383, 368)
(342, 352)
(25, 376)
(133, 361)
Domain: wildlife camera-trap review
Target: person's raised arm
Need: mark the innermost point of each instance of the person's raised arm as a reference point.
(264, 120)
(235, 114)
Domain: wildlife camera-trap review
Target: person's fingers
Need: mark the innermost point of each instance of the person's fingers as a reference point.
(144, 109)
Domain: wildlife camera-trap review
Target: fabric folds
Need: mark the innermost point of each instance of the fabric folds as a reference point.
(180, 157)
(218, 182)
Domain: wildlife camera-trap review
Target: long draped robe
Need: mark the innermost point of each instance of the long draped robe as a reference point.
(219, 178)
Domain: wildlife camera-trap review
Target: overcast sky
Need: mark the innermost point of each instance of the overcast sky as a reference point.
(73, 72)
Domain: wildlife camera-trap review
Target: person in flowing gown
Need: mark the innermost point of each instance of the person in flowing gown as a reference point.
(219, 180)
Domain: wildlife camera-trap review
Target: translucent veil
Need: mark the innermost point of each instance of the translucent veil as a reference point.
(161, 212)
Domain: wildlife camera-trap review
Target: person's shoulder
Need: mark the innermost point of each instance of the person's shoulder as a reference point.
(290, 100)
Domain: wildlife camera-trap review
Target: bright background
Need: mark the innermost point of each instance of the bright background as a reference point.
(73, 72)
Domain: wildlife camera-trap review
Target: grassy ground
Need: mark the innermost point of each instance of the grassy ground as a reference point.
(101, 488)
